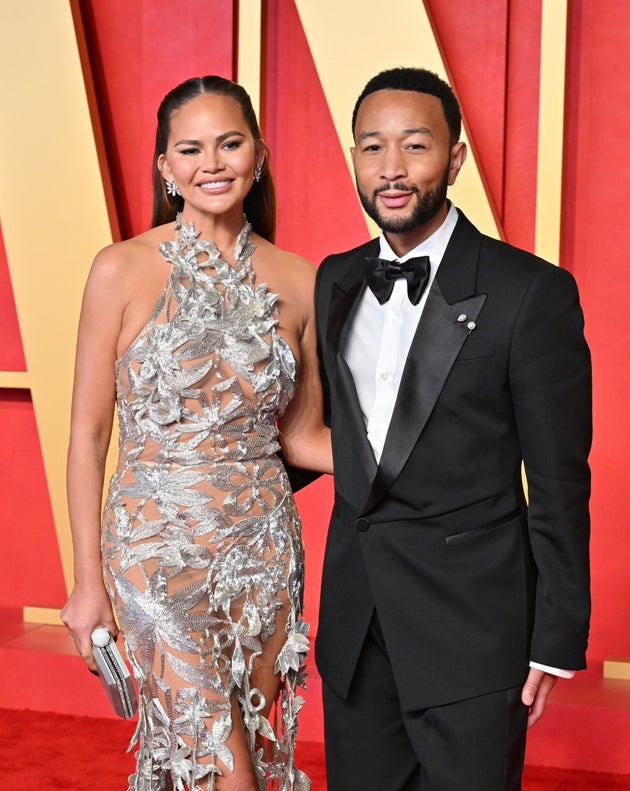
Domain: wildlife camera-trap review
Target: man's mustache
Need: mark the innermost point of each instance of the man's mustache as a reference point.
(396, 185)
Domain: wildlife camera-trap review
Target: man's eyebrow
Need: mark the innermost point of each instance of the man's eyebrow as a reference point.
(418, 130)
(363, 135)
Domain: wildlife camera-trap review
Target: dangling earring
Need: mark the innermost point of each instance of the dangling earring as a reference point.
(172, 188)
(258, 171)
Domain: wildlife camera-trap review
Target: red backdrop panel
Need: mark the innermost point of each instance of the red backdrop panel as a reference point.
(139, 51)
(30, 564)
(492, 56)
(474, 49)
(521, 123)
(318, 209)
(596, 242)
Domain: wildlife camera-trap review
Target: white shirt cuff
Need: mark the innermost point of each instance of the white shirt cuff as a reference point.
(555, 671)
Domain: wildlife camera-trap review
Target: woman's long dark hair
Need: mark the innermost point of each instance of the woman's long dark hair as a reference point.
(260, 202)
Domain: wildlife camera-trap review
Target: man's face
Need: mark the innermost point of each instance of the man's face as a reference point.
(403, 160)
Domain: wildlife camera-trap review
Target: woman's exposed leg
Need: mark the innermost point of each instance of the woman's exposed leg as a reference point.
(243, 776)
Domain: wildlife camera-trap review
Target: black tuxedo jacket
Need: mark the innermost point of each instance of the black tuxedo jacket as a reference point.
(468, 582)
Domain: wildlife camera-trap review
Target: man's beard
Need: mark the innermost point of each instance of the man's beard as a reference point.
(426, 207)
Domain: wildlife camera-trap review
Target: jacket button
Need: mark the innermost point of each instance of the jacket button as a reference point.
(363, 524)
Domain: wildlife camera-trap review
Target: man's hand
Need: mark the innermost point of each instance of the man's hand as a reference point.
(535, 692)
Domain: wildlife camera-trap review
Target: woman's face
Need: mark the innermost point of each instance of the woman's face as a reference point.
(210, 154)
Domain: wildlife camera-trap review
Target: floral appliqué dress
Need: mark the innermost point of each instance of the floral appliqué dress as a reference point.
(201, 540)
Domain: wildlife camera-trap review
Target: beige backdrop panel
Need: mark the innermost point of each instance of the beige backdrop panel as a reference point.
(551, 129)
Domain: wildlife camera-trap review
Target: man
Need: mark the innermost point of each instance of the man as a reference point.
(449, 606)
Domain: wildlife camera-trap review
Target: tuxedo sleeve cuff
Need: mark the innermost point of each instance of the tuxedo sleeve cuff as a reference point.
(555, 671)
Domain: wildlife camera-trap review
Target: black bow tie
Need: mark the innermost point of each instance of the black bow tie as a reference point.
(381, 276)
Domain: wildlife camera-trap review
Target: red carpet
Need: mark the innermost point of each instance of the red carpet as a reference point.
(40, 751)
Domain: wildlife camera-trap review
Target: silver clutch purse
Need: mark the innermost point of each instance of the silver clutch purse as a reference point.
(114, 673)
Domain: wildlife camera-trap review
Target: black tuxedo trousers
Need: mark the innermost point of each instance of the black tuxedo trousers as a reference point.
(473, 745)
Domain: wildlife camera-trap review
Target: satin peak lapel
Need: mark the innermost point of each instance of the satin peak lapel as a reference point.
(344, 302)
(438, 340)
(343, 306)
(344, 296)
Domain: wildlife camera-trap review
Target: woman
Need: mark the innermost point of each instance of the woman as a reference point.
(195, 330)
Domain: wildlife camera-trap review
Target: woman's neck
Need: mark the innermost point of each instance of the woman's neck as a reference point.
(222, 229)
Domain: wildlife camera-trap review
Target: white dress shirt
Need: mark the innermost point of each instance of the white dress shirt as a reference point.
(379, 343)
(381, 336)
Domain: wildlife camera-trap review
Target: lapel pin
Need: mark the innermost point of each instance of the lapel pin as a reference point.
(462, 318)
(471, 326)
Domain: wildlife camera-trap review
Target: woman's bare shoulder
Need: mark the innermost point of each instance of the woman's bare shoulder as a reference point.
(130, 257)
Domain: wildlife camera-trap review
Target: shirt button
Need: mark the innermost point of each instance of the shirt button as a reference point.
(363, 524)
(386, 376)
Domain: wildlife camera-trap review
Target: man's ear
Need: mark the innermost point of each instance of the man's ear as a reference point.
(458, 157)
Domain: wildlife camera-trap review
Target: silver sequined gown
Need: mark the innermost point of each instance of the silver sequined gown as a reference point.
(201, 541)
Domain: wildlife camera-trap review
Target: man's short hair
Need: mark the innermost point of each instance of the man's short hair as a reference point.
(421, 81)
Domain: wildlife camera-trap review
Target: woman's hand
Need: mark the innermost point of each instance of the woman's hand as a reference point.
(88, 606)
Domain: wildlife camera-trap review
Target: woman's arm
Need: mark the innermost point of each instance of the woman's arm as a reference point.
(304, 437)
(91, 423)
